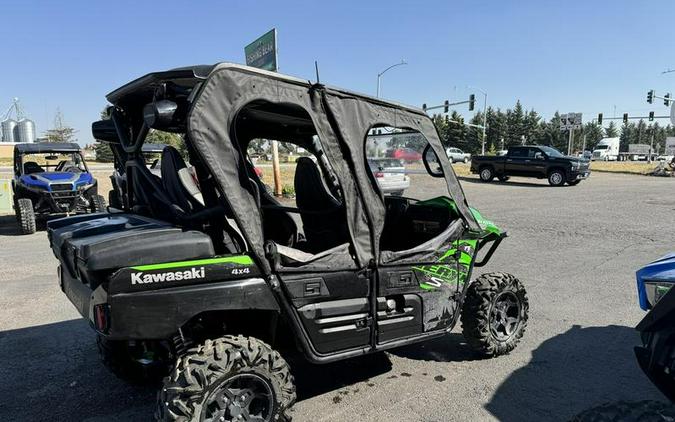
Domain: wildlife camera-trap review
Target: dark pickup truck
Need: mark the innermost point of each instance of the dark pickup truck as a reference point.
(532, 161)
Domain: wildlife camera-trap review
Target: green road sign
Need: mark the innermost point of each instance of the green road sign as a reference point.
(262, 53)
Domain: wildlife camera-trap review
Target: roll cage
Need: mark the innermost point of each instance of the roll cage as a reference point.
(211, 105)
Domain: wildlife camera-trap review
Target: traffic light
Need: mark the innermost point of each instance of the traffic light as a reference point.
(625, 118)
(666, 99)
(651, 116)
(650, 96)
(446, 107)
(472, 102)
(424, 107)
(599, 118)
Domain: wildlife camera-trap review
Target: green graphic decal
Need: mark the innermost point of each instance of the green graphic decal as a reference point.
(444, 201)
(453, 266)
(238, 259)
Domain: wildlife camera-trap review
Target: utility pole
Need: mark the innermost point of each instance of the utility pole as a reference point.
(379, 75)
(485, 97)
(275, 168)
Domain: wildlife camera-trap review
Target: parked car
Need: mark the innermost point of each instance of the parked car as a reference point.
(537, 161)
(406, 154)
(390, 175)
(656, 356)
(457, 155)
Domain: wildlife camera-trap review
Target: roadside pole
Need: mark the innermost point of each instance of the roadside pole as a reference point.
(651, 146)
(570, 121)
(275, 168)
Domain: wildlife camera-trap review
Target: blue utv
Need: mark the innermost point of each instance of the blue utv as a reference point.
(52, 179)
(656, 356)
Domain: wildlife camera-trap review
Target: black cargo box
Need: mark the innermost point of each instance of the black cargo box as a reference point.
(93, 243)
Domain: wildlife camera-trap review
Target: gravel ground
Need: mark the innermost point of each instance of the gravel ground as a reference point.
(576, 250)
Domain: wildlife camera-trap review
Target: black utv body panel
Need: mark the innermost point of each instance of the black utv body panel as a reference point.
(657, 354)
(112, 260)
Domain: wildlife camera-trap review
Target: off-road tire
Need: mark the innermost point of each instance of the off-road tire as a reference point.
(25, 216)
(556, 177)
(645, 410)
(199, 372)
(97, 203)
(503, 178)
(117, 359)
(574, 182)
(477, 310)
(486, 174)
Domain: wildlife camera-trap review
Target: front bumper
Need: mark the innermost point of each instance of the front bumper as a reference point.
(580, 174)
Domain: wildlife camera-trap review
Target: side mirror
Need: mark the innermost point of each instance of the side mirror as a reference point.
(431, 162)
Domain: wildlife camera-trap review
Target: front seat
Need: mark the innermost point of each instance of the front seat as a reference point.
(323, 216)
(30, 167)
(173, 166)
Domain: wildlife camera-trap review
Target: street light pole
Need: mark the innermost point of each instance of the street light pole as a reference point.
(482, 149)
(379, 75)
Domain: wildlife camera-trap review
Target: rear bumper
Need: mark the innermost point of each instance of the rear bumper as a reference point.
(394, 186)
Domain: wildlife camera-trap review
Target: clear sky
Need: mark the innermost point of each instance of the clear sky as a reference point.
(585, 56)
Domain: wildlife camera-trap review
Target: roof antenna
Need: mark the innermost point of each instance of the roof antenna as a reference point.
(316, 67)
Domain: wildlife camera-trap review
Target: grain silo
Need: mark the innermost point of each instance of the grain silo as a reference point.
(8, 131)
(25, 131)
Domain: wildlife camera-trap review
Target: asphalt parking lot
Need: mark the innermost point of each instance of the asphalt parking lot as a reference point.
(576, 250)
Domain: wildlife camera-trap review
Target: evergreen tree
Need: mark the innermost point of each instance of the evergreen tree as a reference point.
(628, 134)
(456, 131)
(496, 129)
(515, 125)
(592, 133)
(474, 135)
(611, 131)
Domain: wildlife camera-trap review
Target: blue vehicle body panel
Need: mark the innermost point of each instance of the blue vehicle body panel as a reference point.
(662, 270)
(43, 180)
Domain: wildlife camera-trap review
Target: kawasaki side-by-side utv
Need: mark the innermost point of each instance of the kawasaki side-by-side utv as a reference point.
(49, 179)
(210, 279)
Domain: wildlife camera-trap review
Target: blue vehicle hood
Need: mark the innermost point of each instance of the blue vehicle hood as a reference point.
(54, 176)
(45, 179)
(662, 270)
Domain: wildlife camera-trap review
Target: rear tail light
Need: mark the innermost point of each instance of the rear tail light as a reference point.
(379, 174)
(102, 317)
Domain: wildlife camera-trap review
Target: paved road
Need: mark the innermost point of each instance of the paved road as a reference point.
(575, 248)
